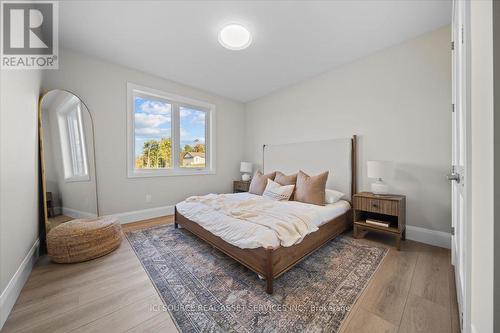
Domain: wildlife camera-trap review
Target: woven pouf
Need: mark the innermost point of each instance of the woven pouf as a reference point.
(83, 239)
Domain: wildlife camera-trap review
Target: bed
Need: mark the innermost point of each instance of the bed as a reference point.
(258, 251)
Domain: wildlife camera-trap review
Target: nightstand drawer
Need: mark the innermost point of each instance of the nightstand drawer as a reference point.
(241, 186)
(381, 206)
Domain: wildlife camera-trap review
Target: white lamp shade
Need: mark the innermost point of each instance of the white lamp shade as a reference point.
(246, 167)
(379, 169)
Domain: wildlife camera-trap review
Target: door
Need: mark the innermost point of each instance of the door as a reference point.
(459, 168)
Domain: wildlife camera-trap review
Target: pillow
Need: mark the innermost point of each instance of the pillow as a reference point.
(278, 192)
(332, 196)
(259, 182)
(311, 189)
(283, 179)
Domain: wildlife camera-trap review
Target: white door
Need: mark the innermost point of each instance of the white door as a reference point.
(458, 175)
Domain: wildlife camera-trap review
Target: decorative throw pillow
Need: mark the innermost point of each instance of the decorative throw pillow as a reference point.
(283, 179)
(278, 192)
(311, 189)
(332, 196)
(259, 182)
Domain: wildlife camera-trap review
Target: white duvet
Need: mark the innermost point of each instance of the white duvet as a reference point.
(251, 221)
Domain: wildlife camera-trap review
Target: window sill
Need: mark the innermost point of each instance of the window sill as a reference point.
(77, 179)
(169, 173)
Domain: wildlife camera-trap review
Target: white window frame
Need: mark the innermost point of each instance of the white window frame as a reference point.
(176, 101)
(67, 144)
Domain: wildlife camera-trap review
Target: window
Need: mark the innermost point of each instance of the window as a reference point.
(192, 137)
(74, 153)
(168, 135)
(152, 132)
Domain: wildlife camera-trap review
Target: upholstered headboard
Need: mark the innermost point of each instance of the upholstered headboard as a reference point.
(338, 156)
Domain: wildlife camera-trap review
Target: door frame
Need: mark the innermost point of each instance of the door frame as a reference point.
(464, 296)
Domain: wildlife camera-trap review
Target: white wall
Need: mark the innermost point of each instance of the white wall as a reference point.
(496, 102)
(19, 91)
(398, 100)
(482, 185)
(50, 159)
(102, 87)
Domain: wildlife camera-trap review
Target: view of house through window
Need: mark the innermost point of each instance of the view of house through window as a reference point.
(192, 137)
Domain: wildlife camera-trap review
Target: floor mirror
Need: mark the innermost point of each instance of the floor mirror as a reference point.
(69, 180)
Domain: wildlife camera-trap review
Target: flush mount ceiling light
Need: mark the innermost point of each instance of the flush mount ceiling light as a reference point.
(235, 37)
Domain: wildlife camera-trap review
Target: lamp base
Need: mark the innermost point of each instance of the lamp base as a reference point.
(245, 177)
(379, 187)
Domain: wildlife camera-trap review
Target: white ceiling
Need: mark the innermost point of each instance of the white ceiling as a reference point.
(292, 41)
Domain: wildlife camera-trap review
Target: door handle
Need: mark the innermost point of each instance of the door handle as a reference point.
(454, 176)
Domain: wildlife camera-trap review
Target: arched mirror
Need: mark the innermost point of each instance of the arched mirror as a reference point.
(68, 161)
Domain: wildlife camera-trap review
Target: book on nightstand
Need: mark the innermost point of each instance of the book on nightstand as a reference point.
(378, 222)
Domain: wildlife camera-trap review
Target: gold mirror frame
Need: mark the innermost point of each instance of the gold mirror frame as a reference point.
(41, 155)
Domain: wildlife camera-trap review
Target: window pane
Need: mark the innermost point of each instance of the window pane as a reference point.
(73, 144)
(153, 133)
(192, 138)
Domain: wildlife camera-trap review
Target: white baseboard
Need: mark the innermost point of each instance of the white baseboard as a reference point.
(13, 289)
(144, 214)
(57, 210)
(428, 236)
(77, 214)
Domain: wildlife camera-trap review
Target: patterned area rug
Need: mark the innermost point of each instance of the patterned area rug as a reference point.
(206, 291)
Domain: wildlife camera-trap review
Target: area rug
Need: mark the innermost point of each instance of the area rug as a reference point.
(206, 291)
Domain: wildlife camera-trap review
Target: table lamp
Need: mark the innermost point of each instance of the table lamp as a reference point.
(246, 169)
(379, 170)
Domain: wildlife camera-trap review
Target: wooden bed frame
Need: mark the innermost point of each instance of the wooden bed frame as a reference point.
(271, 263)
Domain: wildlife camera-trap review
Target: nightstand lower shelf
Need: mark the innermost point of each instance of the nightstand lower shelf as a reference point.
(360, 226)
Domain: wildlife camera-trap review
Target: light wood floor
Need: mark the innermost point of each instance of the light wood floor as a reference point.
(412, 291)
(56, 220)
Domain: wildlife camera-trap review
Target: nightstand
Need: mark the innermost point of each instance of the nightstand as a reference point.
(240, 186)
(380, 209)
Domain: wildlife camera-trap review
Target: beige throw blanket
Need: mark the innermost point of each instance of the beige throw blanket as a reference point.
(289, 224)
